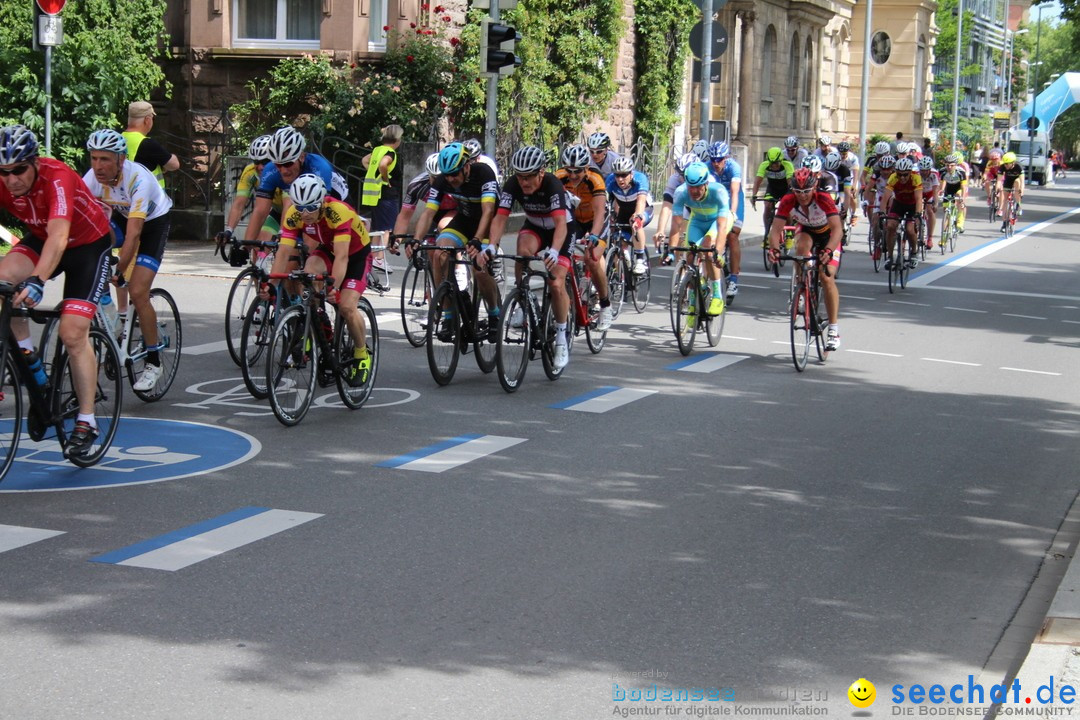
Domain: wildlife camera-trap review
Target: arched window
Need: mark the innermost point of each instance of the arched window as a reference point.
(920, 73)
(808, 88)
(793, 84)
(768, 62)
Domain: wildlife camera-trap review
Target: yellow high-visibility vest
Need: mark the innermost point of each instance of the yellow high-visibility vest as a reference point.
(373, 180)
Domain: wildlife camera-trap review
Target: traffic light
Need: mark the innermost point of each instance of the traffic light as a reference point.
(497, 47)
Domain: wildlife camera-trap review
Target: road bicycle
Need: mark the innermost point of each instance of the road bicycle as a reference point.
(527, 326)
(457, 319)
(690, 300)
(806, 324)
(875, 237)
(768, 214)
(993, 201)
(1012, 211)
(244, 288)
(623, 282)
(900, 262)
(417, 287)
(52, 408)
(307, 348)
(949, 228)
(584, 299)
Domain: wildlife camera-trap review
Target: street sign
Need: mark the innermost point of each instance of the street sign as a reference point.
(714, 73)
(51, 7)
(50, 30)
(1032, 123)
(1001, 121)
(719, 40)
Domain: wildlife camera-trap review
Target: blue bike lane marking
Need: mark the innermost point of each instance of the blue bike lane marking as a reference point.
(145, 450)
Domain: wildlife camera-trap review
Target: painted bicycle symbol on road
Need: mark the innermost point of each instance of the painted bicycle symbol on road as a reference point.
(231, 393)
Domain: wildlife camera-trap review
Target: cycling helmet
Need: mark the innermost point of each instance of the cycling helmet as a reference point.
(308, 189)
(886, 162)
(927, 163)
(904, 165)
(528, 159)
(882, 148)
(952, 158)
(803, 179)
(575, 156)
(959, 156)
(774, 155)
(824, 140)
(791, 141)
(623, 165)
(994, 153)
(17, 144)
(599, 141)
(286, 145)
(259, 149)
(452, 158)
(472, 146)
(685, 161)
(1008, 158)
(107, 141)
(719, 151)
(832, 161)
(843, 146)
(432, 164)
(697, 174)
(701, 149)
(812, 163)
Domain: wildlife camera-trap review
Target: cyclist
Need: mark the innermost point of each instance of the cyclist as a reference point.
(824, 147)
(851, 162)
(845, 190)
(954, 186)
(1010, 179)
(545, 203)
(259, 153)
(141, 207)
(793, 153)
(417, 192)
(629, 190)
(674, 181)
(990, 174)
(931, 183)
(729, 173)
(702, 204)
(874, 187)
(775, 171)
(342, 248)
(603, 158)
(67, 232)
(819, 231)
(476, 154)
(585, 184)
(474, 188)
(904, 199)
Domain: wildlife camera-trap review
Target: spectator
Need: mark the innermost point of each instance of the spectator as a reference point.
(143, 150)
(379, 193)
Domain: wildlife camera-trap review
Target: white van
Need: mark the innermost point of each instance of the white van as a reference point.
(1033, 149)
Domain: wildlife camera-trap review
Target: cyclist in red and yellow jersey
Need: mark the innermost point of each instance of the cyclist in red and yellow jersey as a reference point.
(904, 198)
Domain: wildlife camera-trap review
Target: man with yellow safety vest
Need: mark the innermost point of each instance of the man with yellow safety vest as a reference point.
(379, 196)
(143, 150)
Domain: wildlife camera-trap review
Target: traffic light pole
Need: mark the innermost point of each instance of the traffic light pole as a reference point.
(491, 119)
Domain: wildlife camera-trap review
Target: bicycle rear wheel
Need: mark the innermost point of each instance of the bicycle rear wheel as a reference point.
(353, 392)
(801, 330)
(547, 351)
(241, 293)
(444, 334)
(170, 344)
(616, 275)
(416, 291)
(108, 397)
(254, 340)
(593, 338)
(685, 312)
(877, 244)
(11, 413)
(714, 327)
(642, 284)
(515, 341)
(820, 326)
(290, 366)
(895, 260)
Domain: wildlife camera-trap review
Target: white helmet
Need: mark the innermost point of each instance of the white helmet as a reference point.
(623, 165)
(575, 156)
(286, 145)
(832, 161)
(904, 165)
(812, 163)
(308, 189)
(791, 141)
(107, 141)
(685, 160)
(528, 159)
(886, 162)
(432, 164)
(882, 148)
(599, 141)
(701, 149)
(927, 163)
(259, 150)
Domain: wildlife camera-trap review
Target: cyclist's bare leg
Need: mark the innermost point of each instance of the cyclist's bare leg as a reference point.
(14, 268)
(594, 260)
(139, 286)
(75, 334)
(890, 235)
(350, 313)
(734, 250)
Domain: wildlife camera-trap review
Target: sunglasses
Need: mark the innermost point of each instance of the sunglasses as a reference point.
(622, 175)
(803, 192)
(313, 207)
(16, 171)
(575, 171)
(527, 176)
(598, 152)
(454, 174)
(903, 173)
(285, 165)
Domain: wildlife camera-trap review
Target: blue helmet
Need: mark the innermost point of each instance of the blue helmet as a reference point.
(697, 174)
(452, 158)
(17, 144)
(718, 151)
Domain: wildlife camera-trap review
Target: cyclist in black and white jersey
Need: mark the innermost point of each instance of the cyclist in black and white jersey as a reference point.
(416, 193)
(602, 157)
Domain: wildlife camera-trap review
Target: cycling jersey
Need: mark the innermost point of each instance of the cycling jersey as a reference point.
(715, 203)
(417, 192)
(591, 186)
(249, 181)
(813, 218)
(954, 179)
(1010, 175)
(673, 182)
(338, 222)
(843, 176)
(58, 193)
(905, 192)
(271, 179)
(136, 194)
(851, 162)
(930, 183)
(605, 168)
(639, 185)
(480, 187)
(732, 171)
(828, 182)
(776, 179)
(797, 158)
(543, 207)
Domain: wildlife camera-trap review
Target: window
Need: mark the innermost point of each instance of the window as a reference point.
(276, 23)
(920, 73)
(793, 85)
(377, 19)
(880, 47)
(767, 63)
(808, 89)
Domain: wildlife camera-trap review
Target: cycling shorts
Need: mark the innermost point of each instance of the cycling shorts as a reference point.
(900, 209)
(544, 237)
(696, 232)
(956, 190)
(625, 211)
(86, 271)
(461, 229)
(356, 272)
(820, 240)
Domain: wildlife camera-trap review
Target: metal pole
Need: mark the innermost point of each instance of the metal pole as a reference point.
(864, 92)
(48, 99)
(491, 122)
(1004, 43)
(1034, 102)
(956, 73)
(706, 68)
(1008, 84)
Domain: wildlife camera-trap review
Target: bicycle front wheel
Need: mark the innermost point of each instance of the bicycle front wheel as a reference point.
(642, 284)
(547, 352)
(415, 294)
(444, 334)
(11, 413)
(290, 366)
(515, 341)
(801, 330)
(616, 275)
(108, 397)
(241, 293)
(594, 338)
(254, 340)
(169, 344)
(482, 321)
(354, 389)
(685, 312)
(714, 327)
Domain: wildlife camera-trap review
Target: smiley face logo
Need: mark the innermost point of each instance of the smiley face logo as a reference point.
(862, 693)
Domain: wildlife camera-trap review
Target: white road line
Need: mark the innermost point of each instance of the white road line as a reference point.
(756, 287)
(948, 307)
(453, 453)
(206, 348)
(1066, 307)
(1072, 322)
(781, 342)
(13, 536)
(1034, 372)
(707, 362)
(856, 297)
(602, 403)
(952, 362)
(905, 302)
(736, 337)
(1025, 317)
(871, 352)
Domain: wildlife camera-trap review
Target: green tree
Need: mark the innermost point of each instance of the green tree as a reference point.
(663, 32)
(945, 51)
(107, 60)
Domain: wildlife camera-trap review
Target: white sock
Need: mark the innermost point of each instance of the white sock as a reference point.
(88, 419)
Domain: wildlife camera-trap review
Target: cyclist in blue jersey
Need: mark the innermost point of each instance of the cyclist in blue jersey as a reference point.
(629, 190)
(729, 174)
(703, 205)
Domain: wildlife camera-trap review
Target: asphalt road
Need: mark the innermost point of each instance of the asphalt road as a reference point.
(764, 533)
